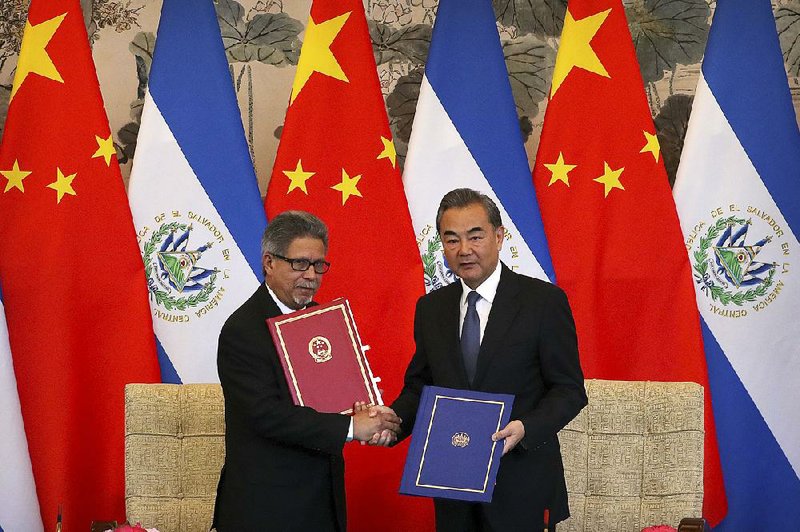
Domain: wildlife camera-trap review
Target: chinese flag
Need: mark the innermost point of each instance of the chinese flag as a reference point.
(336, 159)
(611, 221)
(71, 273)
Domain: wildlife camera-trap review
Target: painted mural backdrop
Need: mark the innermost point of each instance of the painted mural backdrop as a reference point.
(263, 40)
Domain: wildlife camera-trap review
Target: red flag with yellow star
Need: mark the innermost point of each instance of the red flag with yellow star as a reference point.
(336, 159)
(611, 222)
(71, 273)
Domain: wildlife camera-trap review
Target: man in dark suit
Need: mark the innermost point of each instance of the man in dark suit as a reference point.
(514, 335)
(283, 463)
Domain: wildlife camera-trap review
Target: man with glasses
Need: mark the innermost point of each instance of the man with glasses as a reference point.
(283, 463)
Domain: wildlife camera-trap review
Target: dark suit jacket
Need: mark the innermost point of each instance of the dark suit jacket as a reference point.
(283, 463)
(529, 349)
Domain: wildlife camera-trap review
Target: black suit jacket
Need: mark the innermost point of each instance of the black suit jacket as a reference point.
(529, 349)
(283, 463)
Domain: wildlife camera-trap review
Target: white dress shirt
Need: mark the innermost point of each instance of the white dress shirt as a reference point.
(487, 290)
(283, 308)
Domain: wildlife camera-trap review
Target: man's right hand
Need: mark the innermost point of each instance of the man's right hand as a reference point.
(371, 421)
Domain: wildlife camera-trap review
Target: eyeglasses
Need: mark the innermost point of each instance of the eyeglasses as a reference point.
(301, 265)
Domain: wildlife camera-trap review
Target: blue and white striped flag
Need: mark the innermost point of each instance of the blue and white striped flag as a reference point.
(19, 507)
(193, 193)
(466, 134)
(738, 198)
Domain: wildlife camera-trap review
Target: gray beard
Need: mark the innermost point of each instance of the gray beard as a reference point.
(302, 301)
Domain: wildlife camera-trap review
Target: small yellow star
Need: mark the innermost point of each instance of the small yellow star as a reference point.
(105, 149)
(63, 184)
(33, 58)
(348, 186)
(15, 177)
(575, 49)
(559, 170)
(298, 177)
(651, 145)
(388, 151)
(610, 179)
(316, 54)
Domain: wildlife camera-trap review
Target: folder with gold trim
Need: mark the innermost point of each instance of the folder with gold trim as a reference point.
(452, 454)
(323, 359)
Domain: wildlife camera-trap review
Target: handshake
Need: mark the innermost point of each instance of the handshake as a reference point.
(375, 424)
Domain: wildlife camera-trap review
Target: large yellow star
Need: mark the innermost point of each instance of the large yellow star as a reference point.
(559, 170)
(105, 149)
(575, 49)
(388, 151)
(610, 179)
(348, 186)
(15, 177)
(33, 58)
(316, 55)
(298, 177)
(651, 145)
(62, 184)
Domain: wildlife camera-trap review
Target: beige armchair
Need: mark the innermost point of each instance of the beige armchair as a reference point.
(633, 457)
(174, 449)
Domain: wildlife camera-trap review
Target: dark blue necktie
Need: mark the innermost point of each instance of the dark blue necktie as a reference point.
(471, 336)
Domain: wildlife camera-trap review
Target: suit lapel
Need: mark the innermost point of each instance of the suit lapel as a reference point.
(505, 306)
(266, 305)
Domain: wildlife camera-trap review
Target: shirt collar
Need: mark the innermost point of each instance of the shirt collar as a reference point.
(487, 289)
(283, 308)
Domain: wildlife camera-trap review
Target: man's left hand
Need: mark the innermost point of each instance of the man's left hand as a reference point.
(383, 438)
(511, 434)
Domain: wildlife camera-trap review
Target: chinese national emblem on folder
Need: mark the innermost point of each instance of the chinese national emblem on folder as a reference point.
(322, 358)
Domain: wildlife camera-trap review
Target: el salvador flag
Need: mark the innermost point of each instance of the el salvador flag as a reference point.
(193, 193)
(738, 198)
(466, 134)
(19, 507)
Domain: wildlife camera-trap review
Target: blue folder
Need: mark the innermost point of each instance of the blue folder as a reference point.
(452, 454)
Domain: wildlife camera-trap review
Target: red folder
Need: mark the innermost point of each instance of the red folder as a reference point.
(322, 358)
